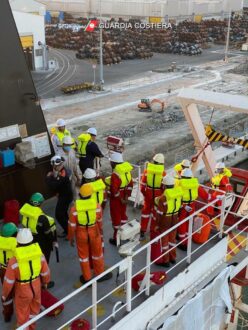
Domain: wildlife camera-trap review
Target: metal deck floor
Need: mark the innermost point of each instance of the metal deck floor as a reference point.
(66, 275)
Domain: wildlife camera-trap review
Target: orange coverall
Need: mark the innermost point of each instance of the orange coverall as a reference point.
(226, 187)
(149, 195)
(117, 207)
(183, 229)
(8, 308)
(164, 223)
(27, 304)
(89, 243)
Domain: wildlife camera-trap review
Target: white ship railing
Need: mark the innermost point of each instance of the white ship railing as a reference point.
(127, 265)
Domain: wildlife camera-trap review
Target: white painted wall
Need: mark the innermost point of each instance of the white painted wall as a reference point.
(144, 8)
(33, 24)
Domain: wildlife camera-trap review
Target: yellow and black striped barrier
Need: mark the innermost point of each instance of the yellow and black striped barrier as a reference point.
(215, 136)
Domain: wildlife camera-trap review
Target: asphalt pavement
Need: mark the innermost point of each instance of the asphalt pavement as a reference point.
(71, 70)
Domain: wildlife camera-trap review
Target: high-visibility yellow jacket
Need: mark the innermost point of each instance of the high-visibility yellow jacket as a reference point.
(124, 172)
(29, 262)
(98, 188)
(154, 175)
(190, 189)
(173, 199)
(216, 180)
(31, 215)
(178, 168)
(83, 140)
(61, 135)
(7, 249)
(86, 211)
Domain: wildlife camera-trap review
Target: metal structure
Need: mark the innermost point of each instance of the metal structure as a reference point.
(189, 98)
(20, 107)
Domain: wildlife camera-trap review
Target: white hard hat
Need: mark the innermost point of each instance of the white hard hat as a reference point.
(24, 236)
(67, 140)
(116, 157)
(57, 160)
(220, 166)
(92, 131)
(187, 173)
(159, 158)
(186, 163)
(89, 173)
(168, 180)
(60, 122)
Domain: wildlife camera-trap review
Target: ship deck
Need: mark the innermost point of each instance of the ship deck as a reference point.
(66, 276)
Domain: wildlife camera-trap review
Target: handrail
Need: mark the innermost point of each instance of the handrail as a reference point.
(127, 262)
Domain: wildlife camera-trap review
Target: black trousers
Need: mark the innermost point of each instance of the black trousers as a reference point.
(61, 211)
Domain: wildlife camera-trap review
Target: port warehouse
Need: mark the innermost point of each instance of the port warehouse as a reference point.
(145, 8)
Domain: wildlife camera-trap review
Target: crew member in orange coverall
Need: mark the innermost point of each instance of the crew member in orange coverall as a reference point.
(83, 223)
(168, 206)
(7, 251)
(121, 185)
(191, 191)
(150, 185)
(25, 272)
(221, 182)
(99, 192)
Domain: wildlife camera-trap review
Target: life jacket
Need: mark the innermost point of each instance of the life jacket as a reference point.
(7, 249)
(202, 233)
(83, 140)
(124, 172)
(216, 180)
(31, 215)
(190, 189)
(86, 211)
(29, 262)
(61, 135)
(178, 168)
(173, 199)
(98, 188)
(107, 181)
(154, 175)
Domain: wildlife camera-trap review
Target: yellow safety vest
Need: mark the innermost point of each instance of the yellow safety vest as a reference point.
(29, 262)
(7, 249)
(124, 172)
(86, 211)
(173, 199)
(216, 180)
(154, 175)
(178, 167)
(98, 188)
(61, 135)
(190, 189)
(31, 215)
(83, 140)
(107, 180)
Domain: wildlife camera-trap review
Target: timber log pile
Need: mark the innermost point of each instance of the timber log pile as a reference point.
(187, 38)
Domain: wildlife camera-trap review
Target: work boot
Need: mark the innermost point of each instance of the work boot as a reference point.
(182, 247)
(142, 236)
(113, 241)
(105, 277)
(7, 319)
(165, 264)
(50, 284)
(82, 280)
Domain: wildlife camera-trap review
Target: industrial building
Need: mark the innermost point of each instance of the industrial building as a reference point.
(29, 18)
(146, 8)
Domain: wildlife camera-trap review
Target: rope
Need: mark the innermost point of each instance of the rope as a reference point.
(211, 117)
